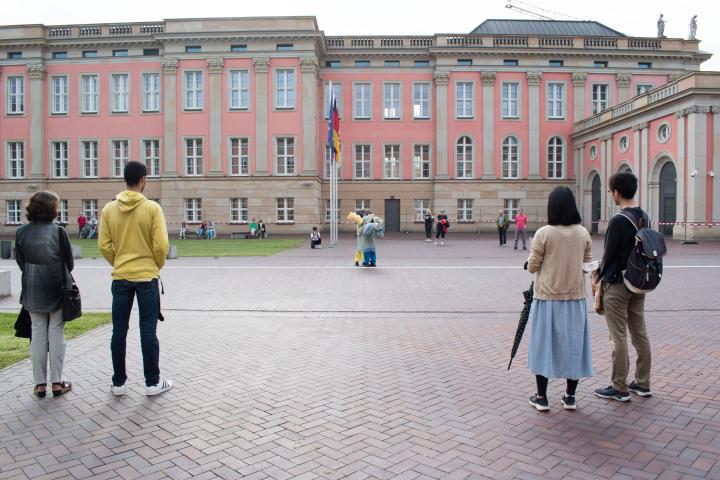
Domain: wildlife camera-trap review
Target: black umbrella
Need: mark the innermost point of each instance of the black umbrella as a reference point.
(522, 323)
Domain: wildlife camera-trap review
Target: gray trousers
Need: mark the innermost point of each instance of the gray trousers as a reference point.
(48, 339)
(520, 232)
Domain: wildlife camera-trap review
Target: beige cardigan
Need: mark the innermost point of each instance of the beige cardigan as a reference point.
(556, 257)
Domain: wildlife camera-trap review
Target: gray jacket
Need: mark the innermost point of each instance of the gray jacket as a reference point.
(38, 254)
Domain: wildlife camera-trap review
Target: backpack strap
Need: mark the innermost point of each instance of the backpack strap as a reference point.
(630, 220)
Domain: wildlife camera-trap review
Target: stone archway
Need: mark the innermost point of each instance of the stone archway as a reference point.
(667, 200)
(595, 202)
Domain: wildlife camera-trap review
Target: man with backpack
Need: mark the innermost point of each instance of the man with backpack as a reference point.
(628, 271)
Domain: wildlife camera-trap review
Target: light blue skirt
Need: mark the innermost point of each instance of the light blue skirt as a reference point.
(560, 339)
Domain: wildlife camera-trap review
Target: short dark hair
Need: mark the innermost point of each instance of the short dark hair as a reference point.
(562, 209)
(625, 183)
(134, 172)
(42, 207)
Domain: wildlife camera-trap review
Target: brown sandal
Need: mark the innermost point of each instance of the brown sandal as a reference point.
(40, 390)
(64, 388)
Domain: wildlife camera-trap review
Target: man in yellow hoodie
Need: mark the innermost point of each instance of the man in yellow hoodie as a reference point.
(133, 239)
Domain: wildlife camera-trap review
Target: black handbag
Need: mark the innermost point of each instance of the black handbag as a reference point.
(23, 324)
(71, 302)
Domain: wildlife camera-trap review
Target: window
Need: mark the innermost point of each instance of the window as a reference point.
(238, 210)
(464, 62)
(120, 53)
(643, 88)
(392, 63)
(326, 160)
(151, 156)
(362, 161)
(391, 101)
(465, 210)
(89, 154)
(510, 162)
(63, 212)
(362, 100)
(59, 55)
(15, 95)
(421, 206)
(593, 152)
(510, 206)
(284, 47)
(510, 100)
(89, 53)
(624, 143)
(362, 63)
(337, 92)
(464, 158)
(14, 55)
(194, 91)
(421, 100)
(119, 91)
(239, 89)
(556, 158)
(327, 211)
(391, 162)
(151, 92)
(239, 156)
(332, 63)
(644, 64)
(193, 156)
(663, 133)
(600, 64)
(16, 159)
(600, 97)
(193, 210)
(510, 63)
(60, 159)
(284, 88)
(422, 63)
(90, 208)
(285, 210)
(361, 205)
(556, 100)
(89, 94)
(421, 161)
(464, 99)
(556, 63)
(285, 156)
(193, 49)
(238, 48)
(14, 212)
(151, 52)
(120, 156)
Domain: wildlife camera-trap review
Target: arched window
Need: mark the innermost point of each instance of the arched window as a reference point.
(510, 158)
(556, 158)
(463, 158)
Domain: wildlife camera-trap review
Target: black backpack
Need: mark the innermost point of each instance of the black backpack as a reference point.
(644, 266)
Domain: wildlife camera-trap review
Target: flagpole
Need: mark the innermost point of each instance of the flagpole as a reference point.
(333, 218)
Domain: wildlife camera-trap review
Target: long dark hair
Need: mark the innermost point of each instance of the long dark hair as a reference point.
(562, 209)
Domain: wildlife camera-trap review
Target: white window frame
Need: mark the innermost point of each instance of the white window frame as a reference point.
(510, 104)
(555, 92)
(362, 204)
(421, 206)
(392, 101)
(239, 210)
(392, 165)
(465, 210)
(422, 99)
(60, 165)
(338, 90)
(555, 157)
(192, 211)
(364, 163)
(119, 93)
(464, 101)
(89, 207)
(151, 97)
(15, 98)
(642, 88)
(194, 90)
(239, 90)
(326, 161)
(362, 100)
(285, 88)
(59, 94)
(600, 100)
(89, 93)
(510, 156)
(152, 157)
(664, 138)
(285, 209)
(593, 152)
(420, 164)
(462, 163)
(327, 211)
(239, 164)
(93, 162)
(624, 143)
(511, 206)
(285, 163)
(63, 211)
(119, 156)
(16, 164)
(13, 212)
(193, 162)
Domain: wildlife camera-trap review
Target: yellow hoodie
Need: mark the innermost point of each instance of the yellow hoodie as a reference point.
(133, 237)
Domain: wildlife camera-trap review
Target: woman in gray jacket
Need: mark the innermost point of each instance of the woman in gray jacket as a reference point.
(39, 253)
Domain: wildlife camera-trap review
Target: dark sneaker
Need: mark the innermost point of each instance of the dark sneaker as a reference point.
(568, 402)
(539, 403)
(611, 394)
(638, 390)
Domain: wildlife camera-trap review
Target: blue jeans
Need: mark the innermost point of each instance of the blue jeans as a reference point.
(369, 257)
(148, 295)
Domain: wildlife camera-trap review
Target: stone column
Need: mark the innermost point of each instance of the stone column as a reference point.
(681, 169)
(36, 110)
(442, 78)
(578, 81)
(309, 68)
(644, 164)
(215, 66)
(261, 65)
(169, 71)
(716, 165)
(579, 177)
(609, 170)
(636, 159)
(604, 175)
(533, 79)
(623, 86)
(697, 161)
(488, 123)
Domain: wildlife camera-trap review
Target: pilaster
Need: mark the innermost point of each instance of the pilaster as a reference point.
(533, 80)
(36, 111)
(715, 181)
(681, 166)
(623, 85)
(309, 69)
(442, 78)
(578, 80)
(261, 66)
(697, 161)
(169, 73)
(215, 67)
(488, 119)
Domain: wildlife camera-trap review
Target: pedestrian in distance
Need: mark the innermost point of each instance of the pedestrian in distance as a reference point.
(502, 222)
(624, 310)
(315, 239)
(560, 336)
(134, 240)
(183, 230)
(262, 229)
(520, 224)
(82, 221)
(441, 228)
(41, 247)
(429, 220)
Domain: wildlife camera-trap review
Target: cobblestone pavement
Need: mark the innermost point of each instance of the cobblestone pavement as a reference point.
(301, 366)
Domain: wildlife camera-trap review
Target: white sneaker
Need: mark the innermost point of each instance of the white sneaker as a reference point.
(442, 243)
(435, 243)
(117, 391)
(163, 386)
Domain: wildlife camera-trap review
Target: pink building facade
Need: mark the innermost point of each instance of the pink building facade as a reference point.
(230, 117)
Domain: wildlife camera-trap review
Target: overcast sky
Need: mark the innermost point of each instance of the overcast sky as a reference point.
(389, 17)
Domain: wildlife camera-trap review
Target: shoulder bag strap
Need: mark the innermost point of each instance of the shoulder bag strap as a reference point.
(63, 254)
